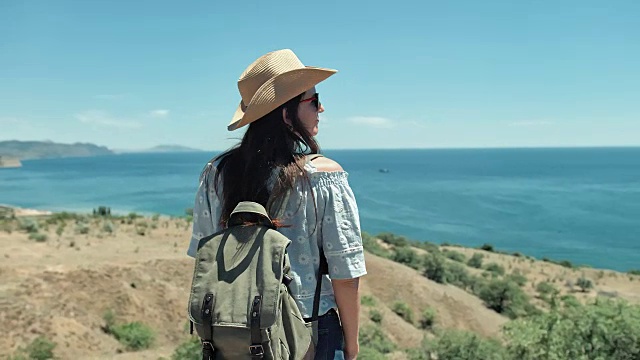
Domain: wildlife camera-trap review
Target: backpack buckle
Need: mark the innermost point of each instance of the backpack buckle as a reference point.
(256, 350)
(208, 352)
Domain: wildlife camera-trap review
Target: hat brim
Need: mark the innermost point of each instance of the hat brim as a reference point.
(277, 91)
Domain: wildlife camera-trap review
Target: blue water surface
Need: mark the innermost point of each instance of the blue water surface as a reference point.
(580, 204)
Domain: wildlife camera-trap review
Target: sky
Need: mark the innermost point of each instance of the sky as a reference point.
(412, 74)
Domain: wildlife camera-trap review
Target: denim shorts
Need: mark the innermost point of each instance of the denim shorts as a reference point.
(330, 337)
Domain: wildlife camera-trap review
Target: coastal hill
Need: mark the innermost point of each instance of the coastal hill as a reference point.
(46, 149)
(116, 287)
(23, 150)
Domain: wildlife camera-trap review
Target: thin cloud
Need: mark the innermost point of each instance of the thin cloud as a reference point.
(10, 121)
(110, 96)
(101, 118)
(372, 121)
(530, 123)
(416, 124)
(159, 113)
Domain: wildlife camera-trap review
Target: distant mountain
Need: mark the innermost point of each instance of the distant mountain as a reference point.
(47, 149)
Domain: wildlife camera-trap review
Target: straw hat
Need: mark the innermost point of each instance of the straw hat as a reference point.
(271, 81)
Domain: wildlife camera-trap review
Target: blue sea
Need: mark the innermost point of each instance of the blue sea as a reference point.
(579, 204)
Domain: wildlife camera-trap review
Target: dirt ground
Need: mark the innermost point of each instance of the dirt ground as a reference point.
(62, 286)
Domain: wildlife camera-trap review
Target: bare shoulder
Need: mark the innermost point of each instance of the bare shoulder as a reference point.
(326, 164)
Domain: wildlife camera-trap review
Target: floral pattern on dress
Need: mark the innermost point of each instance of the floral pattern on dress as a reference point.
(324, 217)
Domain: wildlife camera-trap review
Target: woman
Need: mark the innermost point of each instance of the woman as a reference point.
(281, 106)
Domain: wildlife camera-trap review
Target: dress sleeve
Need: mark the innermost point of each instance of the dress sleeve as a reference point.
(340, 229)
(206, 212)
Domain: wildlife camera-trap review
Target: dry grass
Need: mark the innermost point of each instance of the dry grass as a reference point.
(606, 282)
(61, 288)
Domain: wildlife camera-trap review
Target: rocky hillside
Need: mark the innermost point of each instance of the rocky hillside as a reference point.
(8, 162)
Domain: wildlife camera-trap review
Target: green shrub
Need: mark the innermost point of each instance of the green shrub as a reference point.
(61, 217)
(370, 353)
(371, 336)
(457, 274)
(428, 318)
(545, 288)
(108, 227)
(109, 318)
(368, 300)
(7, 213)
(131, 217)
(494, 268)
(141, 228)
(407, 256)
(487, 247)
(375, 316)
(463, 345)
(584, 284)
(38, 237)
(570, 301)
(371, 245)
(29, 225)
(392, 239)
(505, 297)
(634, 272)
(82, 228)
(435, 267)
(134, 335)
(188, 350)
(426, 245)
(455, 255)
(40, 349)
(476, 261)
(417, 354)
(7, 227)
(60, 229)
(438, 269)
(403, 310)
(517, 278)
(606, 329)
(565, 263)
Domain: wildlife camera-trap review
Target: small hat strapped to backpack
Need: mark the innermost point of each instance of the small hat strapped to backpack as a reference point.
(240, 304)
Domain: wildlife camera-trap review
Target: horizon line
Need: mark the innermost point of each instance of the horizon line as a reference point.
(488, 147)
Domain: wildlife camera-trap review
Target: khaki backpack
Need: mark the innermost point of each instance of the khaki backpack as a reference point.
(240, 304)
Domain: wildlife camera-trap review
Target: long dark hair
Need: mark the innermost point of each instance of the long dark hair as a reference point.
(270, 151)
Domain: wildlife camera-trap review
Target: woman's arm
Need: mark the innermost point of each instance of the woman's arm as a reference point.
(348, 300)
(342, 245)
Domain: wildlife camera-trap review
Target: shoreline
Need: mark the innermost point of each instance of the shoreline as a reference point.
(25, 212)
(20, 212)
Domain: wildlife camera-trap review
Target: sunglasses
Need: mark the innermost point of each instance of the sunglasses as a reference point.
(315, 100)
